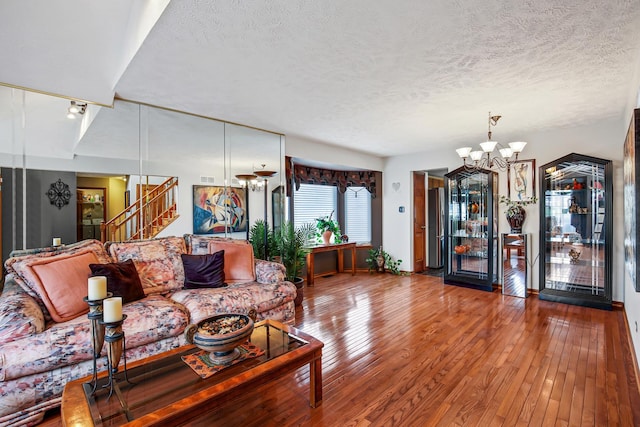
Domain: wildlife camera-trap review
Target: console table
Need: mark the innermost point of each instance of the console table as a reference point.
(339, 247)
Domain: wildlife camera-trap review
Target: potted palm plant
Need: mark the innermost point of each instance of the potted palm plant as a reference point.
(256, 238)
(290, 243)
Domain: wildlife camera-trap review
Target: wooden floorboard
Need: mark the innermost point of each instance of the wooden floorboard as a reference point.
(411, 351)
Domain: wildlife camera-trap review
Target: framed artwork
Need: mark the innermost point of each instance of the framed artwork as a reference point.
(219, 209)
(521, 180)
(277, 206)
(631, 181)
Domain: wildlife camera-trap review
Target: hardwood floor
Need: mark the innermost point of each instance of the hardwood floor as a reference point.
(410, 351)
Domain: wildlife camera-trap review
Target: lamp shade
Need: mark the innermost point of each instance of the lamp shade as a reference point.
(488, 146)
(476, 155)
(244, 179)
(265, 174)
(506, 152)
(464, 152)
(517, 146)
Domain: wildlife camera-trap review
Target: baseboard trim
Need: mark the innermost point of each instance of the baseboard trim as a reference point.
(634, 359)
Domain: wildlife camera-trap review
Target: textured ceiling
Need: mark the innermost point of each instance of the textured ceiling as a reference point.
(391, 77)
(385, 76)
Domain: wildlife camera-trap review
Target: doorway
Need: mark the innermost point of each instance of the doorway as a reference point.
(428, 219)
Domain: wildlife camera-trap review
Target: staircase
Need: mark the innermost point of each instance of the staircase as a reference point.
(146, 217)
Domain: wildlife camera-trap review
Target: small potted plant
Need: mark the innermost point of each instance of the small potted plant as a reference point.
(382, 261)
(326, 227)
(515, 212)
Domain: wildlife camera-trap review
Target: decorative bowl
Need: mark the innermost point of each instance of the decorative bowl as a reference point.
(220, 335)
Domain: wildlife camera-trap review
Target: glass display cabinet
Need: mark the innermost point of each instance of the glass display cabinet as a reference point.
(471, 235)
(576, 231)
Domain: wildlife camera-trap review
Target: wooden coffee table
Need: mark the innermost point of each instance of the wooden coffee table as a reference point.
(166, 390)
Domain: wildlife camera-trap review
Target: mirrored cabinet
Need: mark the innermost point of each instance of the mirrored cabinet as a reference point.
(576, 231)
(471, 228)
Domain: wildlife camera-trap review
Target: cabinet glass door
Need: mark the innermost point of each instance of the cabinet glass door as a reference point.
(471, 234)
(576, 231)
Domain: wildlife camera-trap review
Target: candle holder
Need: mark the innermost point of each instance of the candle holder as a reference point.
(97, 334)
(116, 349)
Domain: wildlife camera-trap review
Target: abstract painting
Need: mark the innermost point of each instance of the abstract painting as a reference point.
(631, 182)
(218, 209)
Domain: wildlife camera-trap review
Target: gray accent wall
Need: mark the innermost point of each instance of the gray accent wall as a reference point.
(44, 221)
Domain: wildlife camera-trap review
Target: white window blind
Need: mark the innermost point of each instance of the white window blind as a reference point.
(357, 205)
(314, 201)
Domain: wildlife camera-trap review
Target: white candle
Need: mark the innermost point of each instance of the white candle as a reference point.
(112, 309)
(57, 241)
(97, 288)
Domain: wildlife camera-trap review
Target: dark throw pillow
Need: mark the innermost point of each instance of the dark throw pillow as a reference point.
(203, 271)
(122, 279)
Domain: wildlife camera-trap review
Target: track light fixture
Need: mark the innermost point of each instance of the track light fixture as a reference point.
(75, 109)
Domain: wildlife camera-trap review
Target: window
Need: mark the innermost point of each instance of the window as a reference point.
(313, 201)
(357, 206)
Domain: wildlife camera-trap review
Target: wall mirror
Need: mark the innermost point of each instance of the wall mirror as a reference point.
(122, 153)
(515, 272)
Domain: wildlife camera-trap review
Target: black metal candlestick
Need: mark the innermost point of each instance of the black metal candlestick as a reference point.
(97, 333)
(116, 349)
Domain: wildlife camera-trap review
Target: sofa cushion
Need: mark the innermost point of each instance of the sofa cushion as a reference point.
(203, 271)
(238, 260)
(237, 298)
(61, 283)
(19, 264)
(157, 261)
(149, 320)
(122, 279)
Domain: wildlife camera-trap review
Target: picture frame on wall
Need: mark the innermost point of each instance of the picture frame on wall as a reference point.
(631, 183)
(219, 209)
(521, 180)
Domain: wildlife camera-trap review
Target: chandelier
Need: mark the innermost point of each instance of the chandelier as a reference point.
(250, 180)
(484, 159)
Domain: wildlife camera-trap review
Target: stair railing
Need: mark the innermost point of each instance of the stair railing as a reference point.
(146, 217)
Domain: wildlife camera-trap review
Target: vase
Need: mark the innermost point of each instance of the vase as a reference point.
(380, 261)
(515, 217)
(326, 237)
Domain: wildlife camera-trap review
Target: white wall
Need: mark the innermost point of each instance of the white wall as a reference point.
(331, 154)
(604, 139)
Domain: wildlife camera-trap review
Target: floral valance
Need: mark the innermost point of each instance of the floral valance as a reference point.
(341, 179)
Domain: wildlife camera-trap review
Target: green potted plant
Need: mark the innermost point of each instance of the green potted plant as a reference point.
(326, 227)
(379, 260)
(290, 243)
(256, 238)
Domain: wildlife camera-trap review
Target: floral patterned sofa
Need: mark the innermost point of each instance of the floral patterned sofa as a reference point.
(45, 336)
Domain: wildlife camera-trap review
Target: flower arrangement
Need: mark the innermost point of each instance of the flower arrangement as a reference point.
(513, 206)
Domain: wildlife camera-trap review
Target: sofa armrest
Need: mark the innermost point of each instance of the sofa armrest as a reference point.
(20, 314)
(269, 272)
